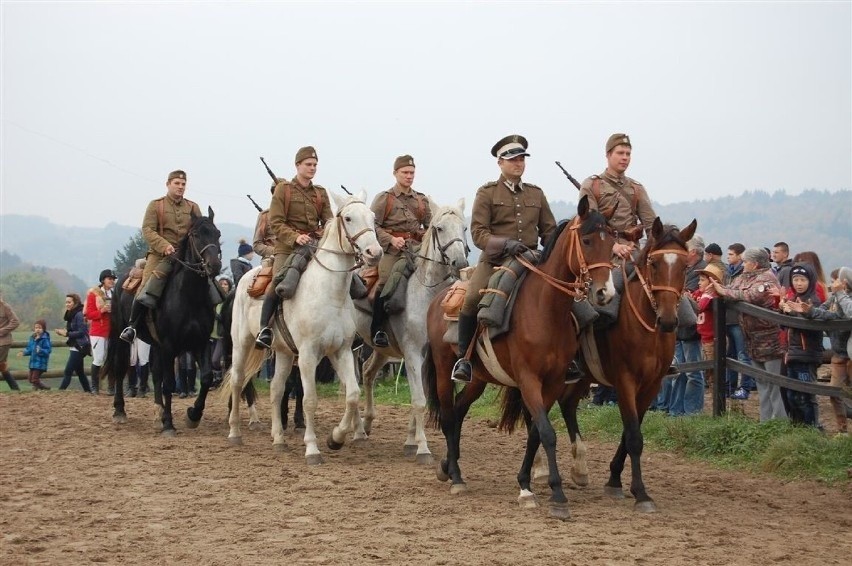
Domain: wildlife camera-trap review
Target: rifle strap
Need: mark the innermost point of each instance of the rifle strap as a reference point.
(288, 195)
(161, 213)
(421, 207)
(596, 192)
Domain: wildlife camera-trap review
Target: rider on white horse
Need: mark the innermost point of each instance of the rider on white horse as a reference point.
(298, 214)
(402, 217)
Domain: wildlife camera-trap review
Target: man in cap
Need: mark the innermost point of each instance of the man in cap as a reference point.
(297, 214)
(713, 256)
(166, 222)
(633, 210)
(402, 217)
(98, 311)
(509, 216)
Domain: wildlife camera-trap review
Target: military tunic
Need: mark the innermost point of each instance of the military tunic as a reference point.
(502, 211)
(621, 191)
(302, 216)
(264, 236)
(408, 218)
(177, 218)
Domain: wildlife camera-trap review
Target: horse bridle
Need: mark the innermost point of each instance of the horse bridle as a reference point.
(200, 267)
(651, 289)
(579, 289)
(352, 240)
(442, 249)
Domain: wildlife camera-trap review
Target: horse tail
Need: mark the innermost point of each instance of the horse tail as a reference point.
(118, 353)
(252, 363)
(512, 406)
(430, 384)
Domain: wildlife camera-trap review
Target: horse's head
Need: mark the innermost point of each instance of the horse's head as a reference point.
(447, 236)
(358, 224)
(590, 254)
(662, 263)
(203, 252)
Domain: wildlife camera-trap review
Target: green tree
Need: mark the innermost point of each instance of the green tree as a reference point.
(134, 249)
(32, 296)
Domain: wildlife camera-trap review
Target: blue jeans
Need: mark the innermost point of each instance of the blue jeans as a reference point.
(664, 397)
(75, 365)
(687, 397)
(737, 351)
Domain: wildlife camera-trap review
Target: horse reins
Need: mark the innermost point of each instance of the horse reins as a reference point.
(442, 249)
(649, 289)
(356, 250)
(577, 289)
(199, 268)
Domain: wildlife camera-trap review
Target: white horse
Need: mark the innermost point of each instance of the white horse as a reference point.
(443, 253)
(316, 321)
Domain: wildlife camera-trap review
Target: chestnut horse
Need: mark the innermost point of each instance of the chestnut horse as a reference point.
(635, 354)
(535, 352)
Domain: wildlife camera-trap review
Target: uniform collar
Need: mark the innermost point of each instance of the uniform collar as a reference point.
(615, 179)
(397, 190)
(514, 187)
(175, 202)
(299, 185)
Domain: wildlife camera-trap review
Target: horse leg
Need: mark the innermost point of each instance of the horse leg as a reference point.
(635, 444)
(532, 397)
(369, 372)
(168, 390)
(451, 424)
(250, 394)
(240, 353)
(299, 413)
(527, 499)
(121, 362)
(344, 364)
(285, 401)
(283, 365)
(568, 406)
(194, 413)
(307, 369)
(157, 383)
(417, 423)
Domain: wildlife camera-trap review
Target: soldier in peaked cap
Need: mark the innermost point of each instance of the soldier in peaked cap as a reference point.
(297, 215)
(509, 216)
(402, 217)
(633, 212)
(166, 221)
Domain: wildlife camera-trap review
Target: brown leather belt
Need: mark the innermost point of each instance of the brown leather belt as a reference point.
(416, 236)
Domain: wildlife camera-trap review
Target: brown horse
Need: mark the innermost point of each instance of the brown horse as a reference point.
(635, 354)
(536, 351)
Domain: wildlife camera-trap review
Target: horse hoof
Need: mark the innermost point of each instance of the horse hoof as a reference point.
(255, 425)
(527, 500)
(560, 511)
(332, 443)
(645, 507)
(424, 459)
(191, 423)
(314, 459)
(441, 472)
(458, 488)
(409, 450)
(279, 448)
(169, 433)
(119, 418)
(235, 440)
(613, 492)
(580, 480)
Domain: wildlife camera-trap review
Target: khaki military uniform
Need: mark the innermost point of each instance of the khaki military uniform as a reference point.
(408, 218)
(177, 218)
(264, 236)
(624, 192)
(302, 216)
(502, 212)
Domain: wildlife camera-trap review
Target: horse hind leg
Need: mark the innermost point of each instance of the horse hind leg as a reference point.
(251, 400)
(369, 372)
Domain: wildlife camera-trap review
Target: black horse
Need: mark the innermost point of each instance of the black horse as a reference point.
(182, 322)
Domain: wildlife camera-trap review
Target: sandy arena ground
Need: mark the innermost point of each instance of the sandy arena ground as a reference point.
(77, 489)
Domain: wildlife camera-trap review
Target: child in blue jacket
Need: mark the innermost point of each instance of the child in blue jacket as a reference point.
(38, 349)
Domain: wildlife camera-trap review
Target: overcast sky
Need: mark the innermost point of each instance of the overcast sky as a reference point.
(101, 100)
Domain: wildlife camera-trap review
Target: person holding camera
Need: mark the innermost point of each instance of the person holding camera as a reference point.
(509, 216)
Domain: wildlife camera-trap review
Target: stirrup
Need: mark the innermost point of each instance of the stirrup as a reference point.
(264, 339)
(574, 374)
(381, 339)
(462, 371)
(128, 334)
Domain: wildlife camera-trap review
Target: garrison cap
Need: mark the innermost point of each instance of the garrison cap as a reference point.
(713, 249)
(177, 174)
(510, 147)
(616, 140)
(403, 161)
(306, 153)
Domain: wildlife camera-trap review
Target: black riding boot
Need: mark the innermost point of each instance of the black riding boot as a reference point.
(270, 304)
(96, 379)
(143, 380)
(132, 383)
(467, 326)
(137, 311)
(380, 337)
(10, 381)
(182, 382)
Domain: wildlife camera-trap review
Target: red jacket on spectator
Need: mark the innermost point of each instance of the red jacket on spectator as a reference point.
(705, 315)
(99, 321)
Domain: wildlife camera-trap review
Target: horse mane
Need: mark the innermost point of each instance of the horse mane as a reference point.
(551, 241)
(426, 245)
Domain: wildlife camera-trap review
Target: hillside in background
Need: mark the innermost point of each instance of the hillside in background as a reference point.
(64, 281)
(814, 220)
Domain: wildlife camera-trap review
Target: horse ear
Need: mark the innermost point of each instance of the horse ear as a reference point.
(583, 206)
(339, 201)
(210, 213)
(460, 204)
(687, 233)
(362, 196)
(657, 228)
